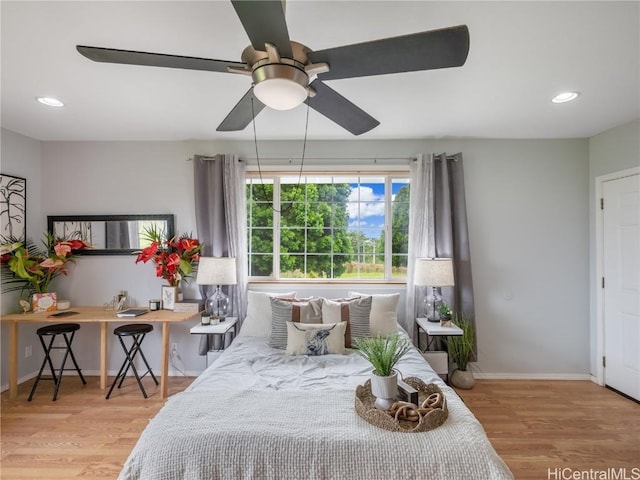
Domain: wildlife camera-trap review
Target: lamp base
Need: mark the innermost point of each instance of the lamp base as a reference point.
(217, 305)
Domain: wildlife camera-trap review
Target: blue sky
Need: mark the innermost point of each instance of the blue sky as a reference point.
(366, 207)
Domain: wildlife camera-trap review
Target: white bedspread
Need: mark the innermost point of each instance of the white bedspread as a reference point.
(257, 413)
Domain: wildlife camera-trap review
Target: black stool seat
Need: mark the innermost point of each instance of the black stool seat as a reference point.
(137, 332)
(133, 329)
(67, 330)
(58, 328)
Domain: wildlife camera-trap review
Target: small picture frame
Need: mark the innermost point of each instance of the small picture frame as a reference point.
(169, 297)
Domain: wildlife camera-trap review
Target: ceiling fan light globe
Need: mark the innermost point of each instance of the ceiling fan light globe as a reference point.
(280, 94)
(280, 86)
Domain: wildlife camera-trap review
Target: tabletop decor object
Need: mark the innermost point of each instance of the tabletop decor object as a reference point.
(383, 352)
(217, 271)
(28, 269)
(435, 273)
(175, 258)
(430, 412)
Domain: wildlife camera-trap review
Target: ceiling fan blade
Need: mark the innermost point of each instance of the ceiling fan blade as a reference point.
(337, 108)
(264, 22)
(130, 57)
(241, 115)
(447, 47)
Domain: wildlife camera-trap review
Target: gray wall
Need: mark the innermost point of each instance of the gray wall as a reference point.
(528, 219)
(21, 157)
(609, 152)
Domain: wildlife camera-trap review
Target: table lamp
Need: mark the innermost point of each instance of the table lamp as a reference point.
(435, 273)
(217, 271)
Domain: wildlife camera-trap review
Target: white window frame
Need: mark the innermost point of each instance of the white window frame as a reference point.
(273, 177)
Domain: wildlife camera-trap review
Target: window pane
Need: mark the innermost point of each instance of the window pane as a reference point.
(260, 215)
(261, 241)
(319, 240)
(292, 240)
(399, 220)
(260, 191)
(293, 192)
(319, 266)
(399, 269)
(292, 266)
(260, 265)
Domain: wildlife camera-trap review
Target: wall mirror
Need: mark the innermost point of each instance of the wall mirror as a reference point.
(109, 234)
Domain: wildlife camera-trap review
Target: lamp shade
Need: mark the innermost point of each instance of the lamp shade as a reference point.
(434, 272)
(216, 271)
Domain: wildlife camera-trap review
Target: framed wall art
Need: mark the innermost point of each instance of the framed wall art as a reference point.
(13, 208)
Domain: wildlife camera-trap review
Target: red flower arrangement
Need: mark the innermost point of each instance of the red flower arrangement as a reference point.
(36, 269)
(174, 258)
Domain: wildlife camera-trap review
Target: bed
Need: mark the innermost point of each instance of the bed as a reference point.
(260, 413)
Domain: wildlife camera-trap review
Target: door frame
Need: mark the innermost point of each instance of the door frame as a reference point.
(599, 379)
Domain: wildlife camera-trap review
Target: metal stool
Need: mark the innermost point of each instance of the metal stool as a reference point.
(52, 331)
(136, 331)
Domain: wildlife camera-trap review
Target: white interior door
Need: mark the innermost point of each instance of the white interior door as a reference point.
(621, 242)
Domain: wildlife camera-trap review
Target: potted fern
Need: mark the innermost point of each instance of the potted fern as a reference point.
(383, 353)
(460, 350)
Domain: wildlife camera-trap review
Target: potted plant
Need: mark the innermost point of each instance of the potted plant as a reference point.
(26, 268)
(445, 311)
(460, 349)
(383, 353)
(174, 257)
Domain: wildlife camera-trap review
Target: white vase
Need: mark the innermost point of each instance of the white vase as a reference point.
(385, 389)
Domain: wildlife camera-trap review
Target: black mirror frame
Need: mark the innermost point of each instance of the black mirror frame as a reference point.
(111, 218)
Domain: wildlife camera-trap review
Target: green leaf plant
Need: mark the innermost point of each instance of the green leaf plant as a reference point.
(383, 352)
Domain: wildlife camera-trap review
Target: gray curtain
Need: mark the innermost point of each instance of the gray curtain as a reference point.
(220, 201)
(118, 235)
(421, 235)
(438, 226)
(451, 233)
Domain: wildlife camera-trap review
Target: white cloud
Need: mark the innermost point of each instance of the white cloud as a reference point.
(363, 203)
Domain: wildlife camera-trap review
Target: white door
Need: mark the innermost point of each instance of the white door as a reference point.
(621, 230)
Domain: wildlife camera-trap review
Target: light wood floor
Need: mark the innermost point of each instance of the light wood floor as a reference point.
(533, 425)
(540, 425)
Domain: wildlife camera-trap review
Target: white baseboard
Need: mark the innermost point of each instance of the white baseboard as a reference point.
(96, 373)
(532, 376)
(477, 375)
(594, 379)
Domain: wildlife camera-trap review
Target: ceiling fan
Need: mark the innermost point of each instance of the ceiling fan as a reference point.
(286, 73)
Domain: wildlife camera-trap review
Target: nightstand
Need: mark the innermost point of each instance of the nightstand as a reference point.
(439, 360)
(221, 329)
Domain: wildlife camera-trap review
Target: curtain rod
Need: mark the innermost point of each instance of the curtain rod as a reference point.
(190, 159)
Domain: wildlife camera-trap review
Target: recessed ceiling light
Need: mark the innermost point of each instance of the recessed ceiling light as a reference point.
(50, 101)
(565, 97)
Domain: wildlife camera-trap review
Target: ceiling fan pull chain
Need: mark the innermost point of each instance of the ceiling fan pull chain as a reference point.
(304, 149)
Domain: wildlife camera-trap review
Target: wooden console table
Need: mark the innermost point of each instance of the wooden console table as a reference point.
(93, 315)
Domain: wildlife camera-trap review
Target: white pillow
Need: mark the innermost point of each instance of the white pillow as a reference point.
(315, 338)
(257, 323)
(384, 312)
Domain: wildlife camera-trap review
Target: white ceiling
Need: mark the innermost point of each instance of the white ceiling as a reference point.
(522, 53)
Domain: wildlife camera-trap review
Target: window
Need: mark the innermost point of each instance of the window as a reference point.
(347, 227)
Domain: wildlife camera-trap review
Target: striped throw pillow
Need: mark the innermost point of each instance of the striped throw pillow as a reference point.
(308, 310)
(354, 311)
